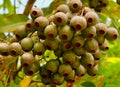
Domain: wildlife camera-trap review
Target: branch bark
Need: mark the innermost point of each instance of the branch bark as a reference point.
(3, 73)
(28, 7)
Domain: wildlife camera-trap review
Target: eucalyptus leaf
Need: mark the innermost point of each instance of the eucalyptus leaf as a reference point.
(9, 6)
(10, 23)
(2, 35)
(53, 6)
(88, 84)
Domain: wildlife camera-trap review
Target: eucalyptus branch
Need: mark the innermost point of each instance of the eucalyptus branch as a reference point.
(16, 72)
(9, 75)
(28, 7)
(3, 73)
(81, 12)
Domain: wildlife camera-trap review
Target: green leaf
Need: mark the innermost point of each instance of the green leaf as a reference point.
(53, 6)
(3, 16)
(1, 5)
(85, 1)
(102, 18)
(9, 6)
(1, 85)
(109, 67)
(12, 84)
(2, 35)
(10, 23)
(88, 84)
(25, 82)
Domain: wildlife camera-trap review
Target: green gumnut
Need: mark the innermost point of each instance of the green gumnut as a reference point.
(112, 34)
(89, 32)
(75, 64)
(40, 23)
(79, 51)
(80, 71)
(77, 41)
(36, 12)
(52, 66)
(31, 69)
(27, 59)
(51, 44)
(29, 26)
(20, 32)
(101, 29)
(38, 48)
(14, 39)
(104, 46)
(62, 8)
(69, 57)
(57, 79)
(93, 3)
(58, 52)
(41, 35)
(43, 72)
(4, 49)
(97, 55)
(65, 46)
(64, 69)
(100, 39)
(96, 62)
(65, 33)
(15, 49)
(70, 15)
(71, 77)
(60, 18)
(75, 5)
(46, 81)
(91, 45)
(93, 71)
(86, 9)
(103, 3)
(78, 22)
(98, 8)
(50, 31)
(27, 44)
(50, 18)
(92, 18)
(87, 60)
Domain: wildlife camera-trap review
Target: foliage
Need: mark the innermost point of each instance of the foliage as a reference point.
(109, 72)
(9, 23)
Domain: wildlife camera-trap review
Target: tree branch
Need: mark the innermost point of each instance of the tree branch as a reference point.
(16, 72)
(3, 73)
(28, 7)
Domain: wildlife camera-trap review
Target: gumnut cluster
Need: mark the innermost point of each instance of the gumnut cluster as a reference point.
(98, 5)
(75, 35)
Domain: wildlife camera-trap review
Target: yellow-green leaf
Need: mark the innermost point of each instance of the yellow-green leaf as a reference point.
(10, 23)
(2, 35)
(25, 82)
(53, 6)
(113, 60)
